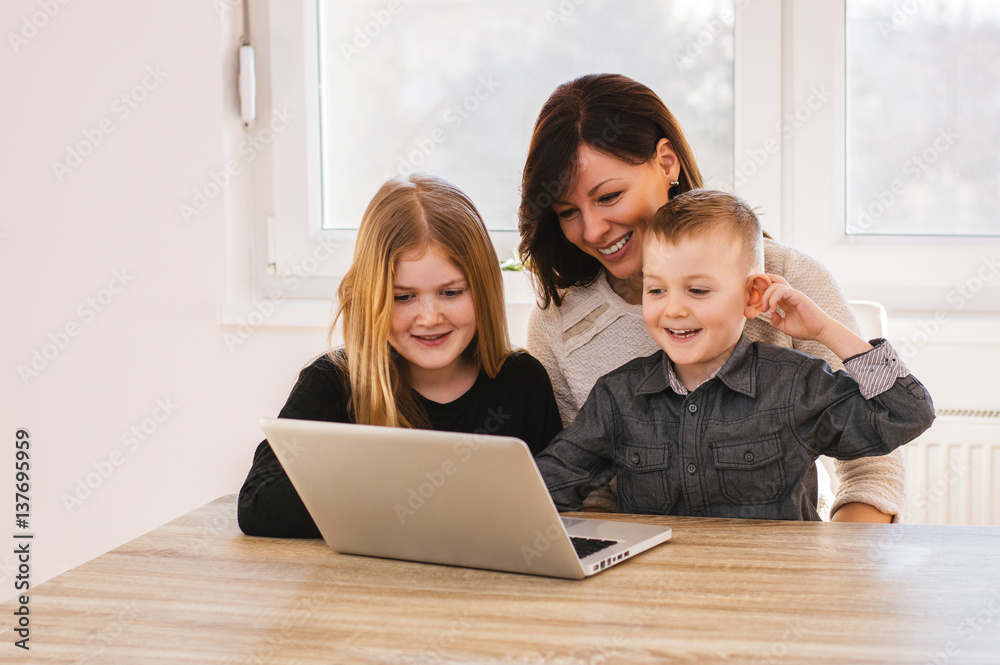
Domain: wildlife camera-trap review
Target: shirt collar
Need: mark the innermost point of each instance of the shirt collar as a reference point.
(739, 372)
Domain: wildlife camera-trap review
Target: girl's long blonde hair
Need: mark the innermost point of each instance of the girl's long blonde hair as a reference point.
(412, 214)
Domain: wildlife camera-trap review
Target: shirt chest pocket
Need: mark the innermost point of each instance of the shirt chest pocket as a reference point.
(751, 471)
(643, 462)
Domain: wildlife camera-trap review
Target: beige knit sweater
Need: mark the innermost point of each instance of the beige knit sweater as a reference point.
(595, 331)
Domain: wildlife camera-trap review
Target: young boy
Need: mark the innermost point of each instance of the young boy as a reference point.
(714, 425)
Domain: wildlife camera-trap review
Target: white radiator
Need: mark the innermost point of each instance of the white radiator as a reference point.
(953, 470)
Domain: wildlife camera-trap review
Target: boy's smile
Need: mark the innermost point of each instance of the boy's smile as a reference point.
(694, 301)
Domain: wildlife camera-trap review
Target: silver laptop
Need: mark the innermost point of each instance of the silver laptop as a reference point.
(469, 500)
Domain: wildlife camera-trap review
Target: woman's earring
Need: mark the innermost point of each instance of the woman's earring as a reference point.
(674, 183)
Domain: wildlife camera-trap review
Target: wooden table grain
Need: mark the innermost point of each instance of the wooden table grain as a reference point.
(196, 590)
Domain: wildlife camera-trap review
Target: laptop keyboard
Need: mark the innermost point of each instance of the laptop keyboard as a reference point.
(587, 546)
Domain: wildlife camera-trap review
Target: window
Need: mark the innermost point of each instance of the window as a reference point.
(785, 101)
(830, 173)
(923, 96)
(453, 88)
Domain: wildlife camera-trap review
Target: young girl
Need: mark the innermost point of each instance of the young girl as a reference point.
(425, 344)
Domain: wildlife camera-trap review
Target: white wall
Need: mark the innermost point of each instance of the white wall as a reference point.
(955, 355)
(62, 241)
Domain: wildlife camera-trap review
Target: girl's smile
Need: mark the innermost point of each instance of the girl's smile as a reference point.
(433, 322)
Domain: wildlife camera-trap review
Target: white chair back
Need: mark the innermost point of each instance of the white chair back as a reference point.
(872, 317)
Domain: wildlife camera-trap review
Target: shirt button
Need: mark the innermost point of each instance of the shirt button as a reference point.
(692, 468)
(692, 408)
(635, 458)
(748, 456)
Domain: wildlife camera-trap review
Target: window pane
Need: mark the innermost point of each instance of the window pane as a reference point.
(453, 87)
(923, 102)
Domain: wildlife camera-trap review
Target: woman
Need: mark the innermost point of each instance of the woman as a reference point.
(606, 153)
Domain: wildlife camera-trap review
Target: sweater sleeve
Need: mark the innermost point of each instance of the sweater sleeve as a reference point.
(876, 481)
(543, 343)
(268, 504)
(543, 336)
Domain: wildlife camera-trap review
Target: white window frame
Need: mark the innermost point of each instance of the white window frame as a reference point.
(786, 50)
(282, 260)
(922, 275)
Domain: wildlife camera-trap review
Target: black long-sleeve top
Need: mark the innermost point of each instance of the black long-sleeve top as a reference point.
(518, 402)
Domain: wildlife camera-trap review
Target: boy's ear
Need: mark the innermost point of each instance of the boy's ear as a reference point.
(756, 286)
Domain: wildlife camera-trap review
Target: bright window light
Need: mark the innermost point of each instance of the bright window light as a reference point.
(923, 98)
(453, 87)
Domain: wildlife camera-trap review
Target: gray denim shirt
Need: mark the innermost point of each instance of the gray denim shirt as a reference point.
(741, 444)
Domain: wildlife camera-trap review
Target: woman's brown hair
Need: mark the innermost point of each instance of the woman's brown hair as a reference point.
(412, 214)
(612, 114)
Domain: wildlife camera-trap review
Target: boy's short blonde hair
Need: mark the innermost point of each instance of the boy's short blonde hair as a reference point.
(701, 211)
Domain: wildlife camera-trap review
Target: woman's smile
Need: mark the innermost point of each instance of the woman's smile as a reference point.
(606, 209)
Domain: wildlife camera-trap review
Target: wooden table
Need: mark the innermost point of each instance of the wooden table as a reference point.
(722, 591)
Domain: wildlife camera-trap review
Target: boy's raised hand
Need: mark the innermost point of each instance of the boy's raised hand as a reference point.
(803, 319)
